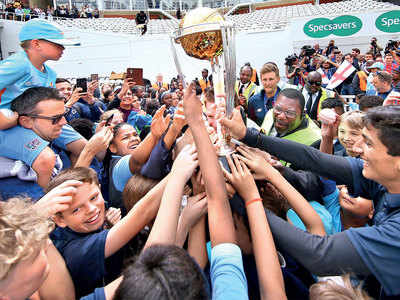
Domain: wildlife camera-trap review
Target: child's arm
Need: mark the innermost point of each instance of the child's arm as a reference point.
(219, 213)
(97, 143)
(166, 223)
(142, 152)
(268, 268)
(141, 214)
(307, 214)
(195, 209)
(197, 243)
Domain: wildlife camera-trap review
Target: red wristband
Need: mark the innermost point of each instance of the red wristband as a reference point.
(252, 201)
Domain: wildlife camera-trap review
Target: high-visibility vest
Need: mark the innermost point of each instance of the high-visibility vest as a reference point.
(253, 75)
(204, 84)
(363, 80)
(249, 91)
(306, 136)
(163, 85)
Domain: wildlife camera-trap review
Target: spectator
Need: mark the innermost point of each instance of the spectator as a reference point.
(315, 94)
(141, 21)
(382, 82)
(244, 87)
(204, 81)
(368, 102)
(390, 65)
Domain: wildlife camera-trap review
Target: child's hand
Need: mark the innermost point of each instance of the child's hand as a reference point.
(113, 216)
(192, 104)
(101, 140)
(258, 161)
(241, 178)
(185, 163)
(196, 208)
(159, 123)
(179, 118)
(59, 198)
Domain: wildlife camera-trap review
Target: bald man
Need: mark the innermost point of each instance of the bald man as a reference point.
(315, 94)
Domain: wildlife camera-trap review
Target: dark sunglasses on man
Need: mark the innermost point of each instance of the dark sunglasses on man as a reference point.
(54, 119)
(317, 83)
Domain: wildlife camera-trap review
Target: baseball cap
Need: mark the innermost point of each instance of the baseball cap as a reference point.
(377, 65)
(39, 29)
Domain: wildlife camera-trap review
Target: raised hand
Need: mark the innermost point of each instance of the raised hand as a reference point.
(192, 105)
(160, 123)
(58, 199)
(196, 208)
(235, 125)
(100, 140)
(185, 163)
(241, 178)
(258, 161)
(113, 215)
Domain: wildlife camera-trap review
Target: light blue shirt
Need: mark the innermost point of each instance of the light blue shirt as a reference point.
(228, 279)
(332, 204)
(17, 74)
(121, 173)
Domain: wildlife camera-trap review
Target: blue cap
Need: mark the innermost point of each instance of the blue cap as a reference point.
(377, 65)
(39, 29)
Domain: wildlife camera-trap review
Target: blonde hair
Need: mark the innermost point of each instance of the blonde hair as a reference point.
(354, 118)
(330, 290)
(23, 230)
(268, 68)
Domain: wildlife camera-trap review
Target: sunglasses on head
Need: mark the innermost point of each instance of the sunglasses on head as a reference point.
(54, 119)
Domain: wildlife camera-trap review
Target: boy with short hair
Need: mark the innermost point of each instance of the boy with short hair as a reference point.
(26, 261)
(41, 41)
(92, 254)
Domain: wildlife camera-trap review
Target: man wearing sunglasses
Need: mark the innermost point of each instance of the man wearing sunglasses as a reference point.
(287, 120)
(315, 94)
(41, 114)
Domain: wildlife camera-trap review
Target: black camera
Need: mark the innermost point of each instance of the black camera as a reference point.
(289, 61)
(390, 46)
(308, 51)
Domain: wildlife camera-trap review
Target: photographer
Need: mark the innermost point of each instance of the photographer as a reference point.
(294, 70)
(374, 47)
(329, 49)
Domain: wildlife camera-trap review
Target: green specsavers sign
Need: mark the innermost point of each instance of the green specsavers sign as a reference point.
(389, 21)
(340, 26)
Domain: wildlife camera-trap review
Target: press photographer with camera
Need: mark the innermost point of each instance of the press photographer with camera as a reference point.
(294, 70)
(374, 47)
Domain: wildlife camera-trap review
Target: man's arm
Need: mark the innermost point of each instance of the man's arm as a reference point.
(304, 157)
(322, 256)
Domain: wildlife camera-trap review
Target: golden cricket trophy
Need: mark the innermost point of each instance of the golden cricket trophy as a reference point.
(204, 34)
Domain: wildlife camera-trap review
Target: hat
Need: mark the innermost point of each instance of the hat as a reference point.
(39, 29)
(377, 65)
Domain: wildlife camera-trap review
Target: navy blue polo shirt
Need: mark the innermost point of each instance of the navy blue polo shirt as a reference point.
(378, 245)
(84, 256)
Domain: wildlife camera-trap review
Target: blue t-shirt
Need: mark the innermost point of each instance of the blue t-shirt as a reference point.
(121, 173)
(378, 245)
(17, 74)
(84, 256)
(227, 274)
(98, 294)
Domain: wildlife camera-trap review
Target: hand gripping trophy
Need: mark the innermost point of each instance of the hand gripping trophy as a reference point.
(204, 34)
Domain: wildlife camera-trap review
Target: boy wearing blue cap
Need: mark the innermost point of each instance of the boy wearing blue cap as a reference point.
(41, 41)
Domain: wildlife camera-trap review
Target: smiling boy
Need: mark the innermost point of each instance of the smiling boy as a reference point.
(93, 255)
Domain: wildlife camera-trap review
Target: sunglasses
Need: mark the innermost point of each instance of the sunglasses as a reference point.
(54, 119)
(317, 83)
